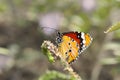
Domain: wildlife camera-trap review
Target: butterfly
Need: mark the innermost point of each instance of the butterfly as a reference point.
(72, 44)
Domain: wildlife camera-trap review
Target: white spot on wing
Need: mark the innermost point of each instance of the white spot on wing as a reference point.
(83, 37)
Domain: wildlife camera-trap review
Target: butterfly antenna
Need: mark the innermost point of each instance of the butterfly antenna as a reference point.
(56, 31)
(50, 28)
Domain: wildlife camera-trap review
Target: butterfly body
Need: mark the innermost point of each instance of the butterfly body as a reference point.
(71, 44)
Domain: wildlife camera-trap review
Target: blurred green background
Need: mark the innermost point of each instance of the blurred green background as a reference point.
(21, 36)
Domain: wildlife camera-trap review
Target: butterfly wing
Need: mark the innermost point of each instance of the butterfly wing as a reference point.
(68, 49)
(72, 44)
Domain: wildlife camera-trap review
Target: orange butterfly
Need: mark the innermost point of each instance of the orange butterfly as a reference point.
(71, 44)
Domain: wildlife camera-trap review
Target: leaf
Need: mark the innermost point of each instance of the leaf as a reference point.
(113, 28)
(48, 54)
(55, 75)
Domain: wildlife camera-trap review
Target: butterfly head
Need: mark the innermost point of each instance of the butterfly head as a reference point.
(59, 37)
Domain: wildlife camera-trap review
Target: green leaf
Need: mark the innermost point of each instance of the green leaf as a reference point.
(54, 75)
(113, 28)
(48, 54)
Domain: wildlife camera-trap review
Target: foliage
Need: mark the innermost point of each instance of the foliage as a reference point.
(54, 75)
(113, 28)
(47, 53)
